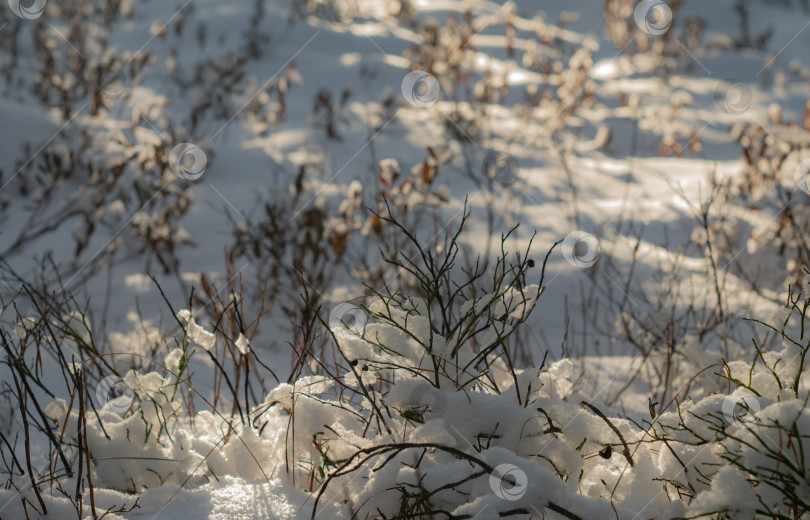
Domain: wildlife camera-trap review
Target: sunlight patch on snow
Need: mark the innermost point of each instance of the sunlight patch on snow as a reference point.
(519, 77)
(138, 282)
(605, 164)
(397, 61)
(432, 5)
(350, 59)
(605, 69)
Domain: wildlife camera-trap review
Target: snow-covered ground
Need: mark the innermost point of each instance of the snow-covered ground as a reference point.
(245, 160)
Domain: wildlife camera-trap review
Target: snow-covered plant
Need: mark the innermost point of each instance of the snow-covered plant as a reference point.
(745, 454)
(435, 418)
(426, 413)
(775, 167)
(436, 432)
(445, 317)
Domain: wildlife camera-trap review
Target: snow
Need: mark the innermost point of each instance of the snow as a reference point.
(227, 143)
